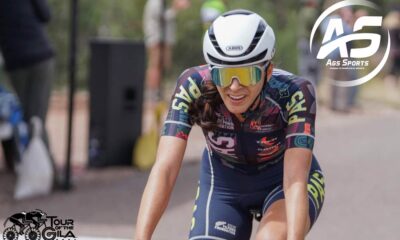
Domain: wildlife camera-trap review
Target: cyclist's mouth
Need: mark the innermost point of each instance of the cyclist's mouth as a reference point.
(236, 99)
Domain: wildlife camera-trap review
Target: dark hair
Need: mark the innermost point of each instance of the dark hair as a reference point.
(202, 109)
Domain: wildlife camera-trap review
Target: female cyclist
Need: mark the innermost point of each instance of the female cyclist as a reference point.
(259, 128)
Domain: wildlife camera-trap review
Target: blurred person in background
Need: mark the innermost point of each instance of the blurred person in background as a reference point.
(341, 98)
(159, 24)
(210, 10)
(340, 95)
(391, 22)
(28, 55)
(308, 65)
(13, 129)
(352, 104)
(259, 128)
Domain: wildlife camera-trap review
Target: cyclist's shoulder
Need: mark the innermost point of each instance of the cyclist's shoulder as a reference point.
(282, 79)
(283, 86)
(196, 74)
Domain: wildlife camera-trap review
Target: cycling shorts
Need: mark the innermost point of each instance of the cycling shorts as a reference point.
(229, 196)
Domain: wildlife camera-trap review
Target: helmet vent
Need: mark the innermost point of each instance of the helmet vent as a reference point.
(250, 60)
(215, 44)
(238, 41)
(260, 30)
(257, 36)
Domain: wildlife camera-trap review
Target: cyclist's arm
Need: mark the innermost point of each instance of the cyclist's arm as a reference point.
(300, 136)
(159, 185)
(297, 163)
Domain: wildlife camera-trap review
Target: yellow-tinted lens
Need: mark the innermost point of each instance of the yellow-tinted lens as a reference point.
(246, 75)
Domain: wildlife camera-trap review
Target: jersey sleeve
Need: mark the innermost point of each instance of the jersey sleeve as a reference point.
(187, 89)
(301, 112)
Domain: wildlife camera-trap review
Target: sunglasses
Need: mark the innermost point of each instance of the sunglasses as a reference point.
(247, 76)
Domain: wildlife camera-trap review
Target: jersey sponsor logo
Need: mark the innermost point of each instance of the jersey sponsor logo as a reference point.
(296, 105)
(225, 227)
(222, 144)
(280, 86)
(185, 96)
(303, 141)
(317, 188)
(224, 122)
(339, 35)
(268, 147)
(266, 142)
(284, 93)
(195, 208)
(263, 128)
(266, 122)
(255, 124)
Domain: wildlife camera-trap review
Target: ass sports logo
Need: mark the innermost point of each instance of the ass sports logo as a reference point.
(354, 58)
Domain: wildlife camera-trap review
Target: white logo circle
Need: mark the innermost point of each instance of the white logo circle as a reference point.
(335, 25)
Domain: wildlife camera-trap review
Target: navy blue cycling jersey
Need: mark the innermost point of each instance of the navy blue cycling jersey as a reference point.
(242, 171)
(284, 118)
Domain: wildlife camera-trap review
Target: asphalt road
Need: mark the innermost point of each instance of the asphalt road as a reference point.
(359, 154)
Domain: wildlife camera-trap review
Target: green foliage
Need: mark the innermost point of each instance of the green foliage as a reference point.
(190, 34)
(188, 49)
(123, 19)
(286, 44)
(97, 18)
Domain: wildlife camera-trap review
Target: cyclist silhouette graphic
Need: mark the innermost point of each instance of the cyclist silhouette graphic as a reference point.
(24, 220)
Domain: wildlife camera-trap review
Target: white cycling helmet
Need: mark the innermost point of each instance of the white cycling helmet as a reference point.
(238, 38)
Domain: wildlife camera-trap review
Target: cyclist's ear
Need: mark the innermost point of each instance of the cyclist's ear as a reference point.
(269, 70)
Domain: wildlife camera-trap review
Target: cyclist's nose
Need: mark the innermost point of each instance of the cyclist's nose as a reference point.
(235, 85)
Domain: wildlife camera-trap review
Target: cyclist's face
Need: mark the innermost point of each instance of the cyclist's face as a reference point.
(238, 98)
